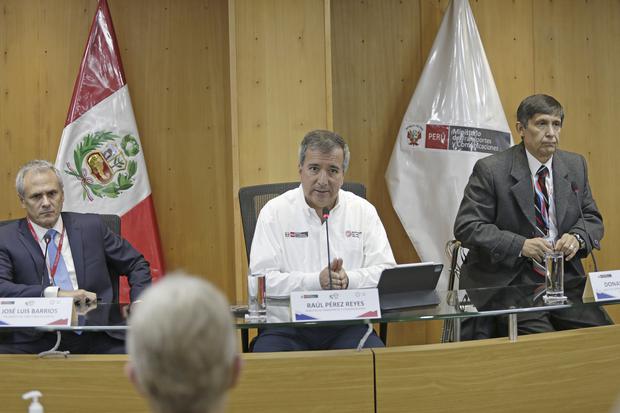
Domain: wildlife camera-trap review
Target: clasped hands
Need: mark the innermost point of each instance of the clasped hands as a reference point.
(536, 248)
(340, 280)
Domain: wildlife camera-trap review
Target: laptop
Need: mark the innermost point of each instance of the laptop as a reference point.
(409, 286)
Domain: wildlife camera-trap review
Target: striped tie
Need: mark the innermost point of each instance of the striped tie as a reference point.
(541, 204)
(541, 201)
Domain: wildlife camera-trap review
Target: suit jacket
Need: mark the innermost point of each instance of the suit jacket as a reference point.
(95, 249)
(497, 215)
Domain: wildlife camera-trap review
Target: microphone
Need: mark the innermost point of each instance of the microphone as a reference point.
(329, 261)
(47, 238)
(575, 189)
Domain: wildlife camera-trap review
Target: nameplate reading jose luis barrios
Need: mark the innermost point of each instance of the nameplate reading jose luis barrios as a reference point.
(35, 311)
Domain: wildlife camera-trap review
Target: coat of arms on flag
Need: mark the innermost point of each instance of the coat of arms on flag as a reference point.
(102, 162)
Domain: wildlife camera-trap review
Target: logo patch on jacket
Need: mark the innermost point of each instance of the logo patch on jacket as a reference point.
(353, 234)
(291, 234)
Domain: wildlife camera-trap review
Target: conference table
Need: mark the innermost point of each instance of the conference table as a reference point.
(569, 371)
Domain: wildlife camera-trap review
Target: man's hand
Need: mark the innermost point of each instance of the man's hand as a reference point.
(84, 308)
(535, 248)
(340, 280)
(79, 296)
(569, 245)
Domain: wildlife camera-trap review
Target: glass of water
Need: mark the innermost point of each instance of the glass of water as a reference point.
(554, 278)
(257, 297)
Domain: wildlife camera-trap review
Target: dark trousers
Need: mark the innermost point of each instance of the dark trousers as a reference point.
(537, 321)
(313, 338)
(85, 343)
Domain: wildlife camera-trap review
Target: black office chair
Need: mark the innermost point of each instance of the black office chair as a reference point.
(253, 198)
(7, 221)
(114, 223)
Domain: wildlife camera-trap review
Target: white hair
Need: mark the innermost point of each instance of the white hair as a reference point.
(182, 344)
(36, 166)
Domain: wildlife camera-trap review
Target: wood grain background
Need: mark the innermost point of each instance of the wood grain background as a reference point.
(223, 91)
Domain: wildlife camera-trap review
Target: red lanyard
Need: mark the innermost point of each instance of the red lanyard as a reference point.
(54, 267)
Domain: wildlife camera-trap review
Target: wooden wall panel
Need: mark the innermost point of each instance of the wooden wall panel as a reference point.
(175, 57)
(376, 62)
(281, 84)
(220, 107)
(565, 48)
(41, 44)
(281, 91)
(577, 52)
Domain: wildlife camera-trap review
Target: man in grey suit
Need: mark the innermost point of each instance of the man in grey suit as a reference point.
(521, 203)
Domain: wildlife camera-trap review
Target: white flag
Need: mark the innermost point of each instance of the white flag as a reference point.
(454, 118)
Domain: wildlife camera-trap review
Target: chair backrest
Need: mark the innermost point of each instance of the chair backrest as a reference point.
(114, 223)
(7, 221)
(253, 198)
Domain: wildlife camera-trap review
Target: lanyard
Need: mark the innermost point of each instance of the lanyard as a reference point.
(54, 267)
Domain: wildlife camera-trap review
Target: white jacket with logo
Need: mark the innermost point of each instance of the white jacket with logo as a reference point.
(290, 243)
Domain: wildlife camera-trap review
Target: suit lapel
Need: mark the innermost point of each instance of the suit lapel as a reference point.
(74, 234)
(522, 189)
(33, 248)
(561, 188)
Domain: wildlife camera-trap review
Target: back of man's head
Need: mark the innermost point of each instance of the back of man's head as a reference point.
(182, 347)
(544, 104)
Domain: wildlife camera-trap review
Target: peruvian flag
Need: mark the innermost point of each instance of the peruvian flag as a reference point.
(455, 117)
(100, 154)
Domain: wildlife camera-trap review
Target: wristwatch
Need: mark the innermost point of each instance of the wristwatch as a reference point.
(582, 243)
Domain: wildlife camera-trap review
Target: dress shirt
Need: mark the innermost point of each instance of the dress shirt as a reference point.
(52, 291)
(290, 244)
(534, 165)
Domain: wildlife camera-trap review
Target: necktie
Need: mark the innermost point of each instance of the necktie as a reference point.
(541, 204)
(61, 277)
(541, 201)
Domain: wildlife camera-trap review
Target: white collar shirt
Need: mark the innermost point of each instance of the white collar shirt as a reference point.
(534, 165)
(290, 243)
(67, 256)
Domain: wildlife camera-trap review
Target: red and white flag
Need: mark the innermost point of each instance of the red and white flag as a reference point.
(455, 117)
(100, 154)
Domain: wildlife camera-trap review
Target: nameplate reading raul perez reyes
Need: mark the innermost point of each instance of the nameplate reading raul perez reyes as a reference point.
(332, 305)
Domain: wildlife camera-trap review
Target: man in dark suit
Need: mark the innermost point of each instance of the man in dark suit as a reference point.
(524, 202)
(80, 250)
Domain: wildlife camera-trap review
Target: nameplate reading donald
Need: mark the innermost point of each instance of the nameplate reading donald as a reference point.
(35, 311)
(602, 286)
(333, 305)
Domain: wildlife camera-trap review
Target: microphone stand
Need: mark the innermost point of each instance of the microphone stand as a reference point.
(329, 261)
(54, 350)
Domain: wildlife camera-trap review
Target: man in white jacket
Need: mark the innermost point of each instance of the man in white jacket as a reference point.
(290, 245)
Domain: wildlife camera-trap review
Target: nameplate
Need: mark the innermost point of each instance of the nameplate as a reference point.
(35, 311)
(332, 305)
(602, 286)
